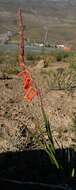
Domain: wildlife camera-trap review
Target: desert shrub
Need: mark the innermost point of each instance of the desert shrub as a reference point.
(30, 57)
(9, 63)
(61, 79)
(73, 65)
(60, 55)
(7, 69)
(33, 57)
(8, 58)
(1, 59)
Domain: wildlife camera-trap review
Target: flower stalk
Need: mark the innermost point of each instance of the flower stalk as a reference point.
(30, 91)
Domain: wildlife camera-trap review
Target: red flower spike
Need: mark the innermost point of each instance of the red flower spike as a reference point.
(26, 75)
(27, 83)
(30, 94)
(29, 91)
(22, 65)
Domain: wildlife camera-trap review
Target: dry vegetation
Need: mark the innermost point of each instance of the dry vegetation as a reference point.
(19, 119)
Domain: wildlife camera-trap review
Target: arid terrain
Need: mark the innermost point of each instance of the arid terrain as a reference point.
(55, 16)
(38, 94)
(18, 118)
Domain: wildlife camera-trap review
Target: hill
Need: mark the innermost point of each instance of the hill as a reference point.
(55, 16)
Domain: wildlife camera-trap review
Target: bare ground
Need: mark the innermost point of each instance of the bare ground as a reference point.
(18, 117)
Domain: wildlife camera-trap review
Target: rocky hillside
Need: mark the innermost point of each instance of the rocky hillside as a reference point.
(56, 16)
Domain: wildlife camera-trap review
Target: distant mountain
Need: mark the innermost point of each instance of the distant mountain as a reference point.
(58, 17)
(44, 7)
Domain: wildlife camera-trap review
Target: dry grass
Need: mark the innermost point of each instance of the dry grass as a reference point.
(16, 115)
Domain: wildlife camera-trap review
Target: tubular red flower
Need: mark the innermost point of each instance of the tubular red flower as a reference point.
(31, 93)
(28, 85)
(22, 65)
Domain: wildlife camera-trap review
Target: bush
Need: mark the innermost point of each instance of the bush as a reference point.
(33, 57)
(60, 55)
(61, 79)
(73, 65)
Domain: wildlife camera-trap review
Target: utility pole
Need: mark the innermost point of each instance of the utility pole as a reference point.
(45, 40)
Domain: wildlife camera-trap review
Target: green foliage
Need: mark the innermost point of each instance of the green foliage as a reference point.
(17, 69)
(73, 66)
(60, 55)
(40, 137)
(63, 160)
(73, 172)
(50, 148)
(33, 57)
(67, 161)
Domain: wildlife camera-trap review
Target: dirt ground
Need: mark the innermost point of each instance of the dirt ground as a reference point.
(16, 114)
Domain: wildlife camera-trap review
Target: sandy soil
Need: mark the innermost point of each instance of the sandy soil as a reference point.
(16, 114)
